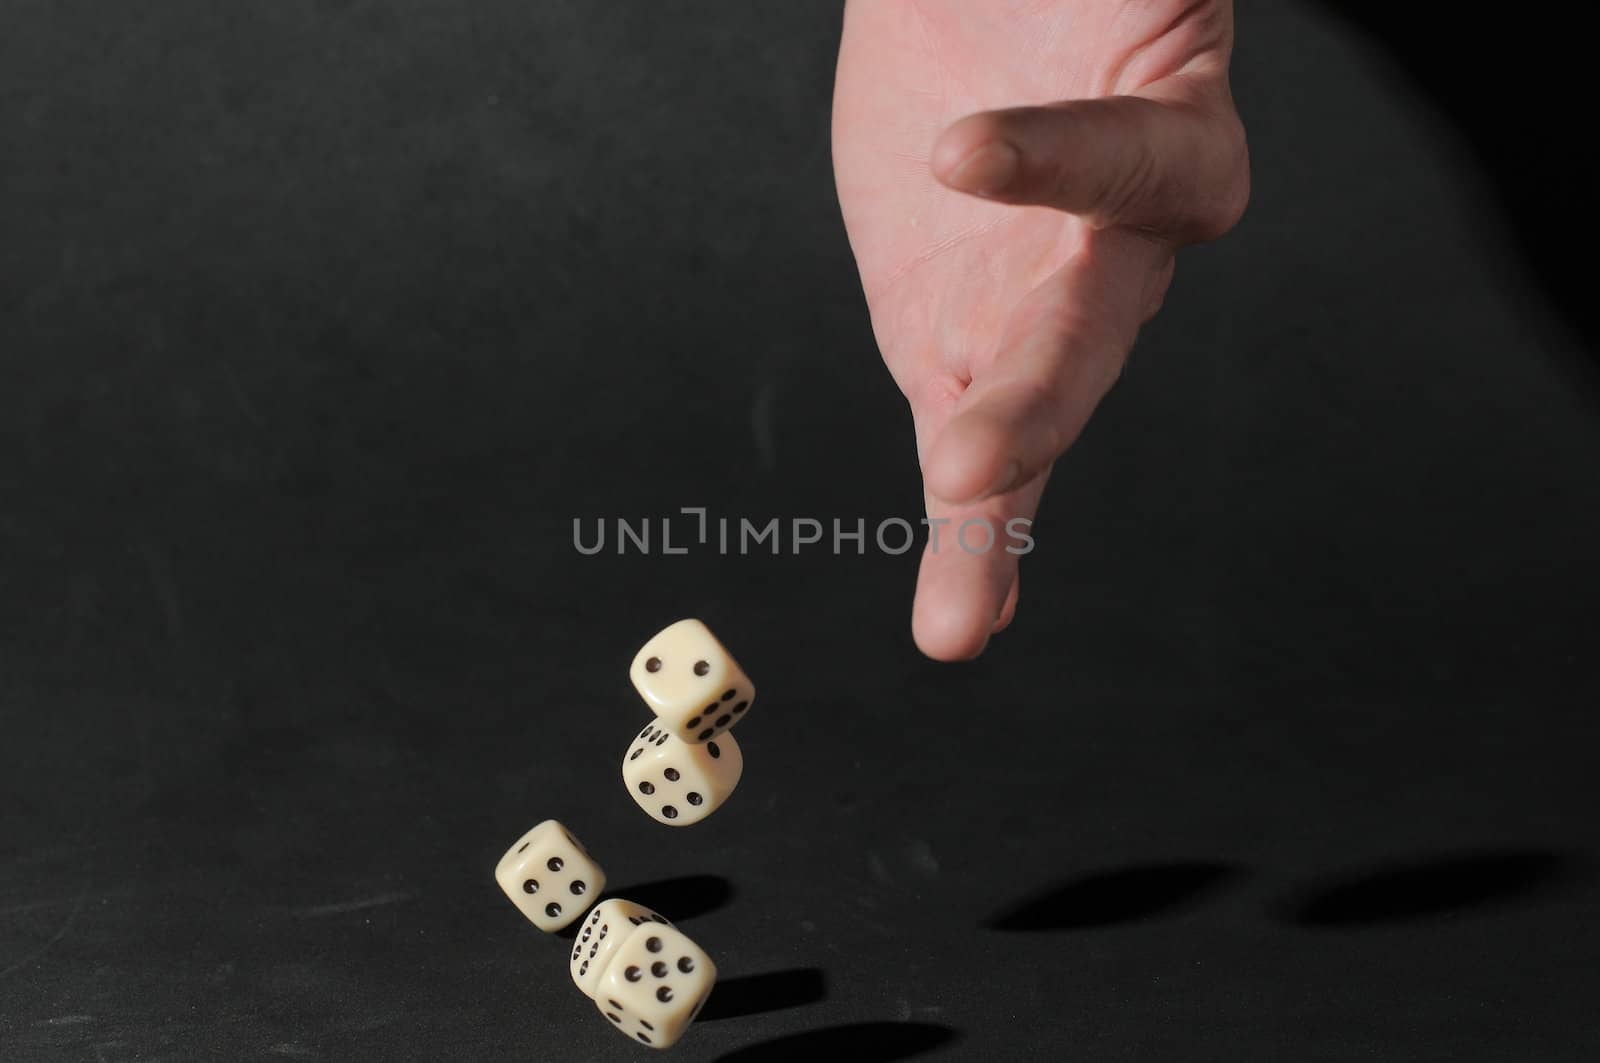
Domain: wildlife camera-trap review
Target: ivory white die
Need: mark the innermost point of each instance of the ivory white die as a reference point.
(677, 783)
(608, 926)
(655, 985)
(549, 876)
(693, 685)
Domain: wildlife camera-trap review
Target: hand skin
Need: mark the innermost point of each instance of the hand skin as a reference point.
(1016, 177)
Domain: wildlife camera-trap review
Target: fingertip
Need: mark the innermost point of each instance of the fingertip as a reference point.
(958, 140)
(972, 157)
(946, 631)
(960, 599)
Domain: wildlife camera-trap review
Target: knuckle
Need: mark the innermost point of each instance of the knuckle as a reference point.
(1130, 186)
(1227, 191)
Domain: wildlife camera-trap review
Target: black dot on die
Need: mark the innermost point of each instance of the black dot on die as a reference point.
(653, 664)
(701, 667)
(724, 720)
(664, 994)
(663, 739)
(707, 733)
(531, 886)
(671, 774)
(659, 918)
(714, 750)
(635, 919)
(737, 709)
(646, 732)
(633, 974)
(727, 695)
(554, 863)
(695, 799)
(614, 1004)
(710, 709)
(614, 1018)
(636, 754)
(658, 969)
(653, 944)
(669, 812)
(694, 721)
(686, 964)
(647, 788)
(647, 1026)
(578, 887)
(642, 1037)
(552, 909)
(583, 968)
(523, 847)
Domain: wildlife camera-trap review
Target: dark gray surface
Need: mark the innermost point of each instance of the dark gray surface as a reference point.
(321, 322)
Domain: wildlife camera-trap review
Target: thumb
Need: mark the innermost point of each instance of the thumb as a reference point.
(1168, 162)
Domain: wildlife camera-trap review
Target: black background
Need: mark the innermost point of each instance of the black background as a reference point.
(323, 319)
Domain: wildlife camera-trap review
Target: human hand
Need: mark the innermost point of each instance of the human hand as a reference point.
(1016, 177)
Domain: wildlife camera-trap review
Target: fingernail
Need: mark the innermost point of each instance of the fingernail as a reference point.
(988, 170)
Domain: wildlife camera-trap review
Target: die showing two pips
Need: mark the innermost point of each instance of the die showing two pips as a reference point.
(685, 765)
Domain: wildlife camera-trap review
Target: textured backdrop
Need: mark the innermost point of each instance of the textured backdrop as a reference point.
(321, 321)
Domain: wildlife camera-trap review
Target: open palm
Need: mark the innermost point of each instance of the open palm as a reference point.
(1015, 177)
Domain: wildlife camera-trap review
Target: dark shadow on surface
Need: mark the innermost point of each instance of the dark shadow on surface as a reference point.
(1105, 898)
(1443, 885)
(686, 897)
(756, 994)
(861, 1042)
